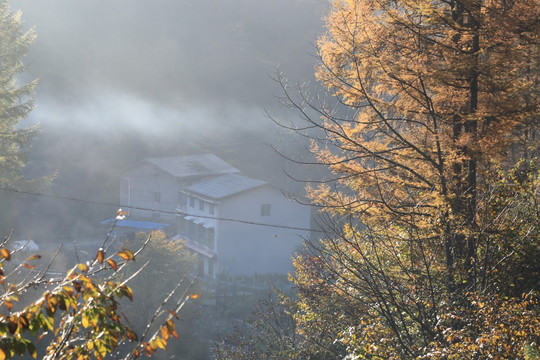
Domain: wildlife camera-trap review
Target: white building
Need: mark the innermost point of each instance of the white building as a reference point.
(237, 225)
(241, 226)
(157, 183)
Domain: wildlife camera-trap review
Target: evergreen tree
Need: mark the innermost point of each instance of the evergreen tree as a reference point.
(16, 102)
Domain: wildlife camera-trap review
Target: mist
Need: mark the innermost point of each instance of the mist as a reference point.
(121, 82)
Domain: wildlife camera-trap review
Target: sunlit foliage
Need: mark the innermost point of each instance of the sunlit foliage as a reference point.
(432, 240)
(79, 316)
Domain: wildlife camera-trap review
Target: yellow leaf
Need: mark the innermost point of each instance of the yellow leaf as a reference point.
(165, 333)
(4, 253)
(194, 296)
(112, 264)
(84, 321)
(126, 255)
(82, 267)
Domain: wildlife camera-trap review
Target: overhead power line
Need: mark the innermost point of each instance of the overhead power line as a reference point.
(179, 213)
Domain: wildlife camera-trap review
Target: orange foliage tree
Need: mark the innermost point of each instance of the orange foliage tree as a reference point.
(432, 103)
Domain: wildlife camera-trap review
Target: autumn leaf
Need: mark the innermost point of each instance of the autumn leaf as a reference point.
(125, 290)
(5, 254)
(100, 255)
(83, 267)
(34, 257)
(165, 333)
(112, 264)
(126, 255)
(131, 335)
(194, 296)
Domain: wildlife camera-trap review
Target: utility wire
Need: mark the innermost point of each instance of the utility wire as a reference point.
(179, 213)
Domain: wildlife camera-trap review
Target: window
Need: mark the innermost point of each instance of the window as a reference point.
(191, 201)
(157, 197)
(201, 205)
(265, 209)
(211, 209)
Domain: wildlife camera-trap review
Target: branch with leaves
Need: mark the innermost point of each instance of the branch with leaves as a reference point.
(82, 310)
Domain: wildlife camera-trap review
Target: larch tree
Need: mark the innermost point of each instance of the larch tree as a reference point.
(433, 103)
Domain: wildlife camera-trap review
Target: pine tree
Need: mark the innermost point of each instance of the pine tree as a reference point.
(16, 102)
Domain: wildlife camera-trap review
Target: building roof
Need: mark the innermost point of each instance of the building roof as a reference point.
(224, 186)
(193, 165)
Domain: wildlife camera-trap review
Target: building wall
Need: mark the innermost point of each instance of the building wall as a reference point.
(203, 232)
(149, 187)
(248, 248)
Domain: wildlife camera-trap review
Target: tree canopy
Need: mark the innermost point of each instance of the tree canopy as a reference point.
(82, 315)
(430, 133)
(16, 101)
